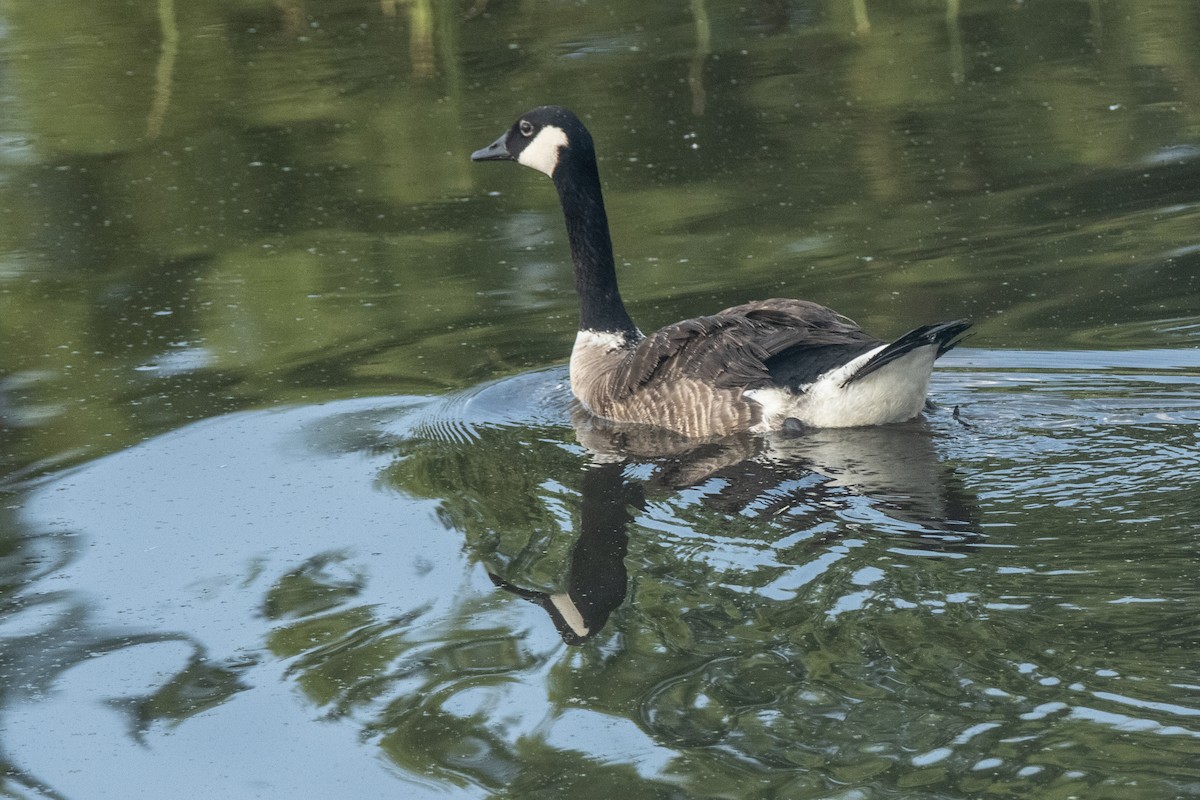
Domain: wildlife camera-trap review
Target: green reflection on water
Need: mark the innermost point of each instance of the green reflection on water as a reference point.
(289, 213)
(212, 206)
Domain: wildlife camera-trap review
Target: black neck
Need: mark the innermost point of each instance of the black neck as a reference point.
(600, 306)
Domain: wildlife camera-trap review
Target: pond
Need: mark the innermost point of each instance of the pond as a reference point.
(296, 500)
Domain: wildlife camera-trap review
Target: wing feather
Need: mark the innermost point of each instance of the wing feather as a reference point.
(768, 342)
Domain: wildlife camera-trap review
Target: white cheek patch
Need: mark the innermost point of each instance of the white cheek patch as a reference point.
(570, 613)
(542, 152)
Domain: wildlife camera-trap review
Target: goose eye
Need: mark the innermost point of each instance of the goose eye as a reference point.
(526, 127)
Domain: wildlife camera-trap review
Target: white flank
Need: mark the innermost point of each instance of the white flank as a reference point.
(542, 152)
(894, 393)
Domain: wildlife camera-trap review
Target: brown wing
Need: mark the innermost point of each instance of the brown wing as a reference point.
(748, 346)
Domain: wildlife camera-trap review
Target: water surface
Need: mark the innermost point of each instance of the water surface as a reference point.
(296, 501)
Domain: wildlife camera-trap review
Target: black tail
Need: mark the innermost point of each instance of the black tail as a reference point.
(943, 334)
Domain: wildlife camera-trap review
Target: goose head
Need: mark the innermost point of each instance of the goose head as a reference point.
(543, 139)
(552, 140)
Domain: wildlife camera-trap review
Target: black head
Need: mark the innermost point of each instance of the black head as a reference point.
(539, 139)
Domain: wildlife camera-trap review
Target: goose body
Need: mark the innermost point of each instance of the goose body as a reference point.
(760, 366)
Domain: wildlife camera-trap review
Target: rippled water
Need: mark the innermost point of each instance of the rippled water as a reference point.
(295, 502)
(996, 600)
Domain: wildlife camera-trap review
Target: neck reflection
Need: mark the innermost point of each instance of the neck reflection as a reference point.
(801, 479)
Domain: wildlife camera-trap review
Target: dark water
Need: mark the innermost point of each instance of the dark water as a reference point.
(295, 502)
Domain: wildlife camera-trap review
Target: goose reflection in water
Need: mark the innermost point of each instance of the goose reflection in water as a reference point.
(894, 468)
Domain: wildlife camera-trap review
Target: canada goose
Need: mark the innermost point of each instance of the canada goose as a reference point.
(761, 366)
